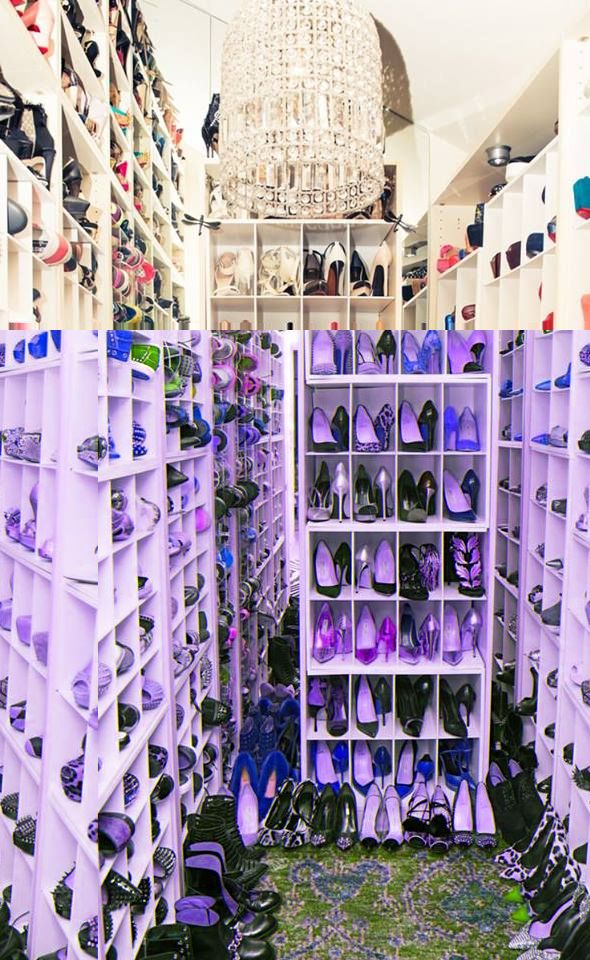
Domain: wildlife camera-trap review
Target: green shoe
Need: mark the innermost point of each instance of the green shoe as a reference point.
(145, 360)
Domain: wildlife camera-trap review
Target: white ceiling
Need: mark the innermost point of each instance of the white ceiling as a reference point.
(453, 66)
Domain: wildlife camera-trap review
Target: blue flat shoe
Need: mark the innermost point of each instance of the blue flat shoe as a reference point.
(564, 381)
(19, 352)
(506, 390)
(544, 438)
(38, 346)
(543, 385)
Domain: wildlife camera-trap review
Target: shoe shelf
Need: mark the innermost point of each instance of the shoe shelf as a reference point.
(191, 567)
(48, 584)
(109, 136)
(262, 540)
(137, 712)
(257, 275)
(355, 633)
(510, 543)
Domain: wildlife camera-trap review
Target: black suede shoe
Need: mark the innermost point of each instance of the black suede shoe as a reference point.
(509, 819)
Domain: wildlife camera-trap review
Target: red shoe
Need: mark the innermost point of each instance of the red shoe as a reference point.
(39, 20)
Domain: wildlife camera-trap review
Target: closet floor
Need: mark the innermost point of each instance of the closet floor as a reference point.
(380, 906)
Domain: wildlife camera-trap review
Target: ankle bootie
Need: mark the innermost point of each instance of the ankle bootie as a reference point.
(211, 939)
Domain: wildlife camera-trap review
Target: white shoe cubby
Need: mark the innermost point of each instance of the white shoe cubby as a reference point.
(49, 592)
(242, 248)
(328, 392)
(125, 115)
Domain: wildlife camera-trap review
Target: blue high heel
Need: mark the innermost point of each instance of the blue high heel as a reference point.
(413, 356)
(244, 771)
(382, 764)
(274, 764)
(564, 381)
(455, 758)
(340, 759)
(425, 767)
(431, 353)
(343, 352)
(406, 762)
(451, 425)
(19, 352)
(38, 346)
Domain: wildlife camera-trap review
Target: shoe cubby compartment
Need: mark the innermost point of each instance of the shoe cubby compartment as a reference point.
(405, 696)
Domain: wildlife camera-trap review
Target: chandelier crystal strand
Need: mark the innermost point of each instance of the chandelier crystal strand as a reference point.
(301, 131)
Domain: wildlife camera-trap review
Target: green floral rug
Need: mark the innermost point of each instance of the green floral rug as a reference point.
(409, 905)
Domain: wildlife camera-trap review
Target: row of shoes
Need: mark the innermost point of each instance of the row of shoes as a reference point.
(332, 353)
(324, 274)
(417, 432)
(372, 499)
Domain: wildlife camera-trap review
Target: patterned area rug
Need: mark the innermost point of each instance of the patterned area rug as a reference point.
(409, 905)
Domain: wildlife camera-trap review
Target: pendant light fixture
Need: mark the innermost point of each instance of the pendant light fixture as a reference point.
(301, 131)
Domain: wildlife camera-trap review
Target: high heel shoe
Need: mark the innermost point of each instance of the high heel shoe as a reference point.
(467, 432)
(365, 436)
(451, 428)
(322, 354)
(431, 353)
(362, 766)
(382, 764)
(404, 777)
(324, 637)
(343, 352)
(470, 629)
(38, 18)
(395, 835)
(440, 825)
(460, 357)
(383, 495)
(429, 636)
(470, 486)
(325, 775)
(346, 818)
(411, 584)
(368, 836)
(316, 699)
(366, 637)
(364, 567)
(427, 489)
(340, 489)
(409, 645)
(416, 823)
(412, 357)
(463, 816)
(365, 508)
(379, 277)
(449, 708)
(386, 350)
(384, 422)
(334, 263)
(326, 581)
(337, 719)
(452, 645)
(318, 509)
(410, 436)
(477, 344)
(314, 284)
(383, 701)
(409, 507)
(343, 563)
(456, 501)
(323, 824)
(359, 278)
(340, 425)
(466, 698)
(366, 715)
(427, 422)
(366, 358)
(384, 569)
(323, 439)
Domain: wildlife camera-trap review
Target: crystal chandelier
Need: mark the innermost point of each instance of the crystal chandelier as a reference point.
(301, 132)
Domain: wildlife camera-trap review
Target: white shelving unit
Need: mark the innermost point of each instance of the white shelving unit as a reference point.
(49, 571)
(129, 156)
(327, 393)
(248, 308)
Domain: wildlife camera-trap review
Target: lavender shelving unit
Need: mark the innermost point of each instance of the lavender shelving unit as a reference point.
(328, 392)
(50, 574)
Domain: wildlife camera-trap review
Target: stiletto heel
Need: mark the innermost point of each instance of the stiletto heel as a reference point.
(343, 562)
(363, 570)
(386, 349)
(340, 489)
(326, 581)
(427, 488)
(470, 629)
(427, 422)
(316, 699)
(383, 496)
(334, 264)
(466, 697)
(365, 508)
(380, 270)
(359, 278)
(319, 499)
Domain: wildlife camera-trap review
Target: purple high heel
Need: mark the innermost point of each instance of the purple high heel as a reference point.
(322, 354)
(468, 431)
(384, 569)
(485, 822)
(343, 352)
(409, 647)
(470, 628)
(366, 358)
(366, 637)
(459, 355)
(457, 504)
(23, 629)
(316, 700)
(410, 436)
(324, 766)
(247, 814)
(429, 636)
(322, 437)
(362, 766)
(467, 563)
(343, 635)
(395, 834)
(368, 835)
(324, 637)
(452, 645)
(451, 428)
(6, 614)
(463, 816)
(386, 638)
(429, 566)
(365, 437)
